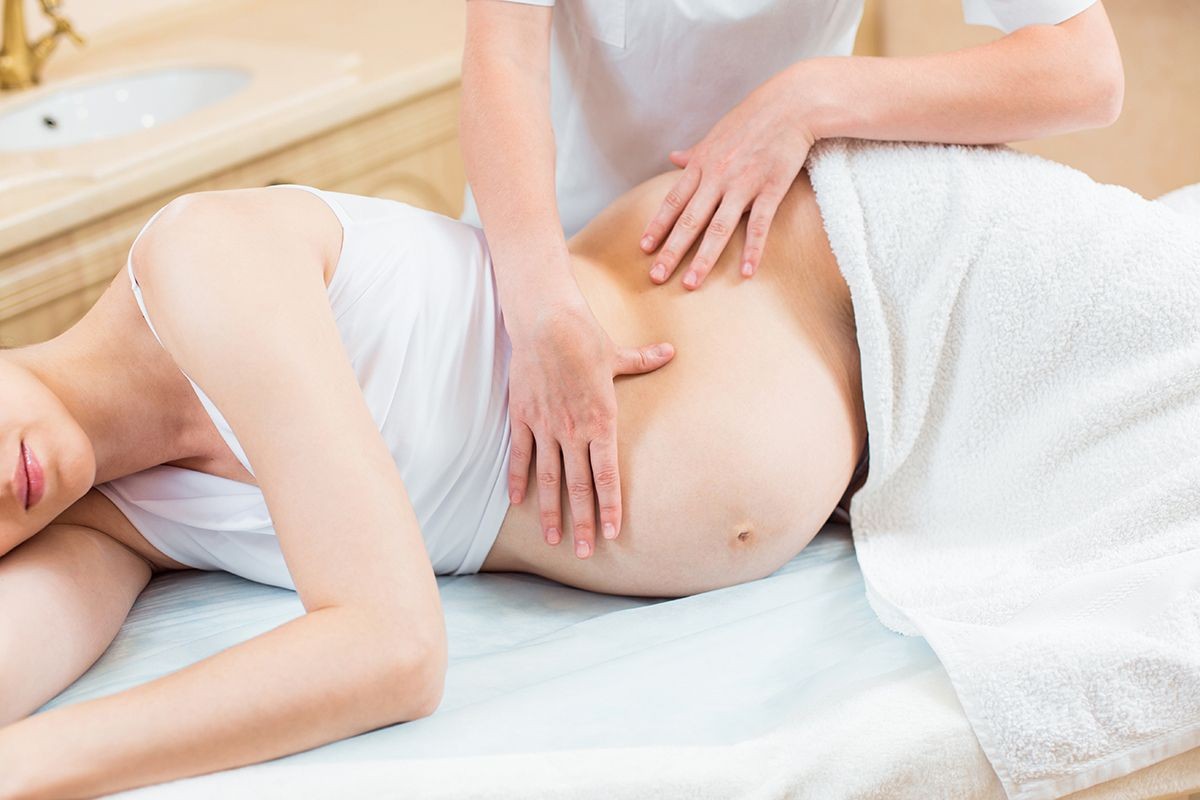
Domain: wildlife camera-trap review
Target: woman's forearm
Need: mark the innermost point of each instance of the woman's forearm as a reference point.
(1038, 81)
(508, 147)
(322, 677)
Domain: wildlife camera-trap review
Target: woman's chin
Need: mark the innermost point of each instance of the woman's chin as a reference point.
(69, 471)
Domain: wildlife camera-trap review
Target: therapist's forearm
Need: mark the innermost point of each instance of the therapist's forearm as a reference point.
(1038, 81)
(508, 147)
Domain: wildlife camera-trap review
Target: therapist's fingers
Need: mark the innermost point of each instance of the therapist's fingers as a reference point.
(716, 237)
(549, 479)
(640, 360)
(607, 478)
(681, 158)
(520, 450)
(762, 214)
(670, 209)
(582, 502)
(687, 230)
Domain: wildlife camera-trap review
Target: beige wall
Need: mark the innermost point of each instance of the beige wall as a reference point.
(1155, 145)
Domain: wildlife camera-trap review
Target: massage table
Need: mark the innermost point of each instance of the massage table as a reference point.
(783, 687)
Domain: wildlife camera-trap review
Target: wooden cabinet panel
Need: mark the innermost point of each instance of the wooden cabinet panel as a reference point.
(432, 178)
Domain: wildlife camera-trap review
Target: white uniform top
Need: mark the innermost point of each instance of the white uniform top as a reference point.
(632, 80)
(415, 303)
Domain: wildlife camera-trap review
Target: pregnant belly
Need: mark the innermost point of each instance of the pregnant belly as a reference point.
(724, 480)
(702, 507)
(734, 454)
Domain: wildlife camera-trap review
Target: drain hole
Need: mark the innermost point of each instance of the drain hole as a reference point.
(50, 122)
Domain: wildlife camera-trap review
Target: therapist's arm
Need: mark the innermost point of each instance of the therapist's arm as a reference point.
(562, 403)
(1037, 81)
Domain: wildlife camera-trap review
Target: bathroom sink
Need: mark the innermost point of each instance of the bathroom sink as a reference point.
(113, 107)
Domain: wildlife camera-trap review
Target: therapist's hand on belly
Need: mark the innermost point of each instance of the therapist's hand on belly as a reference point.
(562, 403)
(747, 161)
(1038, 80)
(563, 407)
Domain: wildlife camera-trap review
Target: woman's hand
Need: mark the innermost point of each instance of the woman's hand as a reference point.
(747, 161)
(563, 406)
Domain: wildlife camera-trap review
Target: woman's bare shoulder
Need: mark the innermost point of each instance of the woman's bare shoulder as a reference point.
(294, 218)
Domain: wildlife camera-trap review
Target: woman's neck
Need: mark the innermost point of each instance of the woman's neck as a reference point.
(122, 388)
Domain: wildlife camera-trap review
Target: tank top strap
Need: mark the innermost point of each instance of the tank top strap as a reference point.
(133, 281)
(334, 206)
(222, 425)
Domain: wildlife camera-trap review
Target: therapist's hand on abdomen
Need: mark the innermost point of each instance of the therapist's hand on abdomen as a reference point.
(1038, 80)
(563, 408)
(748, 161)
(562, 402)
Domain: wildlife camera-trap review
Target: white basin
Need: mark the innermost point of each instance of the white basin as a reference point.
(113, 107)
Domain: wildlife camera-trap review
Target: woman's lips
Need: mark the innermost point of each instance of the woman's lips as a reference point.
(35, 480)
(20, 482)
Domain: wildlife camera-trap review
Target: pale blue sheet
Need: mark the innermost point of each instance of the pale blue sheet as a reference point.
(535, 666)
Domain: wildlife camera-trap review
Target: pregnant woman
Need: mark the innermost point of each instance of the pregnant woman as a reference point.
(308, 389)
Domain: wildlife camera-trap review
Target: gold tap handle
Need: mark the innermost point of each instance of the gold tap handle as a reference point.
(62, 25)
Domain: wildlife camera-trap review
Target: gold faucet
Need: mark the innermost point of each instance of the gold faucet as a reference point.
(21, 61)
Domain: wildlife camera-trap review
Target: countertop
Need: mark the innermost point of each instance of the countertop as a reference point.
(315, 65)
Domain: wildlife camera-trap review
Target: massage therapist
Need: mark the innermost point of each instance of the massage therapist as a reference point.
(567, 106)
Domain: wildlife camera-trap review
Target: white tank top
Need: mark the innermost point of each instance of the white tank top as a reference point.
(415, 302)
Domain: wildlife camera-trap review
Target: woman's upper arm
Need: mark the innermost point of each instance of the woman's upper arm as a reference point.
(235, 283)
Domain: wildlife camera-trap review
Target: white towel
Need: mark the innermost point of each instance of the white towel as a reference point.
(1185, 200)
(1031, 370)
